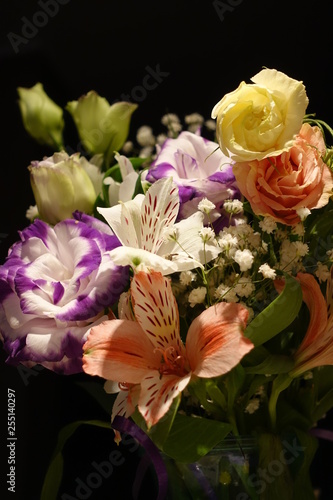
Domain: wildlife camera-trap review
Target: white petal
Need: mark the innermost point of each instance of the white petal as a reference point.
(126, 188)
(124, 220)
(125, 165)
(141, 259)
(159, 211)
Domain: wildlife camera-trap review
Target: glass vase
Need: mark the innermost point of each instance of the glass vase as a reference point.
(221, 474)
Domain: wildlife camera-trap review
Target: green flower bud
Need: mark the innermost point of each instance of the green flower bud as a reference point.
(60, 186)
(42, 117)
(102, 128)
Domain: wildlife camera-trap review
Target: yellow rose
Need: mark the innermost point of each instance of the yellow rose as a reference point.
(259, 120)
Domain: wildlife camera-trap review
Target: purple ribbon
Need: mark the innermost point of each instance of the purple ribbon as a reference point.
(204, 483)
(322, 433)
(127, 426)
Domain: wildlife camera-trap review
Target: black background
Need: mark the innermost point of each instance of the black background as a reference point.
(204, 48)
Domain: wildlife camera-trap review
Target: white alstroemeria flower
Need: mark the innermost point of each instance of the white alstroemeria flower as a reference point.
(122, 191)
(140, 226)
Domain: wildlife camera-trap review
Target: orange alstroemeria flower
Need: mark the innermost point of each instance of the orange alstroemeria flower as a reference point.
(316, 348)
(150, 353)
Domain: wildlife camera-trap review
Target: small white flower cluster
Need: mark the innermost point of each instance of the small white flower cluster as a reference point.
(233, 206)
(232, 276)
(254, 402)
(245, 261)
(148, 143)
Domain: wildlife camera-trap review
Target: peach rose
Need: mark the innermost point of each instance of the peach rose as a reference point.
(279, 186)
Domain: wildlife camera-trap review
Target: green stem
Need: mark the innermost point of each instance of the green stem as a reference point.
(281, 382)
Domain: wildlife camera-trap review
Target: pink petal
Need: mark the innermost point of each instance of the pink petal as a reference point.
(119, 350)
(317, 306)
(215, 342)
(156, 310)
(316, 348)
(157, 394)
(314, 299)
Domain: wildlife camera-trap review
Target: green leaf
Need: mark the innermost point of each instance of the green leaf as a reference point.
(323, 379)
(289, 416)
(54, 473)
(138, 187)
(278, 315)
(53, 478)
(137, 162)
(273, 364)
(324, 405)
(114, 172)
(159, 432)
(234, 381)
(255, 357)
(180, 444)
(215, 394)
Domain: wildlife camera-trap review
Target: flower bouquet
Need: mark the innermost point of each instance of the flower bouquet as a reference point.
(189, 273)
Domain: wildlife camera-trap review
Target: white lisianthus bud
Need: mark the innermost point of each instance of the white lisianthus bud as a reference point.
(42, 117)
(103, 128)
(61, 185)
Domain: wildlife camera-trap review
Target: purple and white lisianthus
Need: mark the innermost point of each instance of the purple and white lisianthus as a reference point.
(200, 170)
(56, 283)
